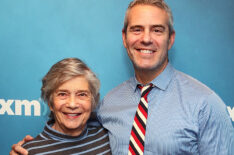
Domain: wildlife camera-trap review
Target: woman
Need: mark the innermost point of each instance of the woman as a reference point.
(71, 90)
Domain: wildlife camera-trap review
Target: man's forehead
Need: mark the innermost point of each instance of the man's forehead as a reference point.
(145, 7)
(147, 14)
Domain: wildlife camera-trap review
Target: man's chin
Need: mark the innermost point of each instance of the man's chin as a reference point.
(149, 67)
(144, 68)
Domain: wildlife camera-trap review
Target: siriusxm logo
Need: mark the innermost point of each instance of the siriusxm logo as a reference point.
(231, 112)
(17, 107)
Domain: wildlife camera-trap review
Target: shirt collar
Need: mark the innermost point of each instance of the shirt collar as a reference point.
(161, 81)
(61, 136)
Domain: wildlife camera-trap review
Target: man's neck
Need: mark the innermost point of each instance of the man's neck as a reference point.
(146, 76)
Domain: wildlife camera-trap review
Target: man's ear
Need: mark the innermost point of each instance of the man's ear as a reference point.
(171, 40)
(124, 38)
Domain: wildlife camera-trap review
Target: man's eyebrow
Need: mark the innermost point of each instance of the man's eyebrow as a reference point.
(153, 26)
(158, 26)
(135, 26)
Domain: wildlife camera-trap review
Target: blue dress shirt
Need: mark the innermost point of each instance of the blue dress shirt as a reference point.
(185, 117)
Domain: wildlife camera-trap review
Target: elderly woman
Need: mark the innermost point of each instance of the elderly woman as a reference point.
(71, 90)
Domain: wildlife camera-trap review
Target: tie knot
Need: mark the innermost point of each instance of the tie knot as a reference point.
(145, 89)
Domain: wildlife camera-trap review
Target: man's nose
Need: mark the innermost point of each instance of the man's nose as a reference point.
(146, 38)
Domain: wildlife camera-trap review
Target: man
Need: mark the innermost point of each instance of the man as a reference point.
(184, 116)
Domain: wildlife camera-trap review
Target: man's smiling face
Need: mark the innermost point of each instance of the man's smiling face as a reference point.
(147, 37)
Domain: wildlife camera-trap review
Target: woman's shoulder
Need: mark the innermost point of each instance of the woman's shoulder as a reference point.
(38, 139)
(96, 130)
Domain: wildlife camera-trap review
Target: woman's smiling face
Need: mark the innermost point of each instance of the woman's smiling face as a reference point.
(72, 106)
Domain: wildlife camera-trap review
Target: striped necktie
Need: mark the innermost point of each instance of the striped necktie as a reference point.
(137, 138)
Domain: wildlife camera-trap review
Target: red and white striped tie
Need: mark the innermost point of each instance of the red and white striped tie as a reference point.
(137, 138)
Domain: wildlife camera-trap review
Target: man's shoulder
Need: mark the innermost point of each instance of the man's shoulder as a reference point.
(121, 88)
(197, 94)
(191, 84)
(193, 90)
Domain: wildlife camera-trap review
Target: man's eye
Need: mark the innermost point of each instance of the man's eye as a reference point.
(159, 30)
(136, 30)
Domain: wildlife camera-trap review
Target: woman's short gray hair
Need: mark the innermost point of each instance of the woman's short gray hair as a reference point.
(65, 70)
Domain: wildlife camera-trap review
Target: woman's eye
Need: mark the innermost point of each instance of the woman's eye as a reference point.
(82, 94)
(62, 94)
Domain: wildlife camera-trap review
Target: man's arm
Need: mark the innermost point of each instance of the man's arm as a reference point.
(18, 149)
(216, 133)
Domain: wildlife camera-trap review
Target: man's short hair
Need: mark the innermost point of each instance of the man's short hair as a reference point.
(157, 3)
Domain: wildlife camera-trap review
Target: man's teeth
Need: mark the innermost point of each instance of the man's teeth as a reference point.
(146, 51)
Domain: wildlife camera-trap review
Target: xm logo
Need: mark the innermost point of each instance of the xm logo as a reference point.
(231, 112)
(26, 106)
(7, 107)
